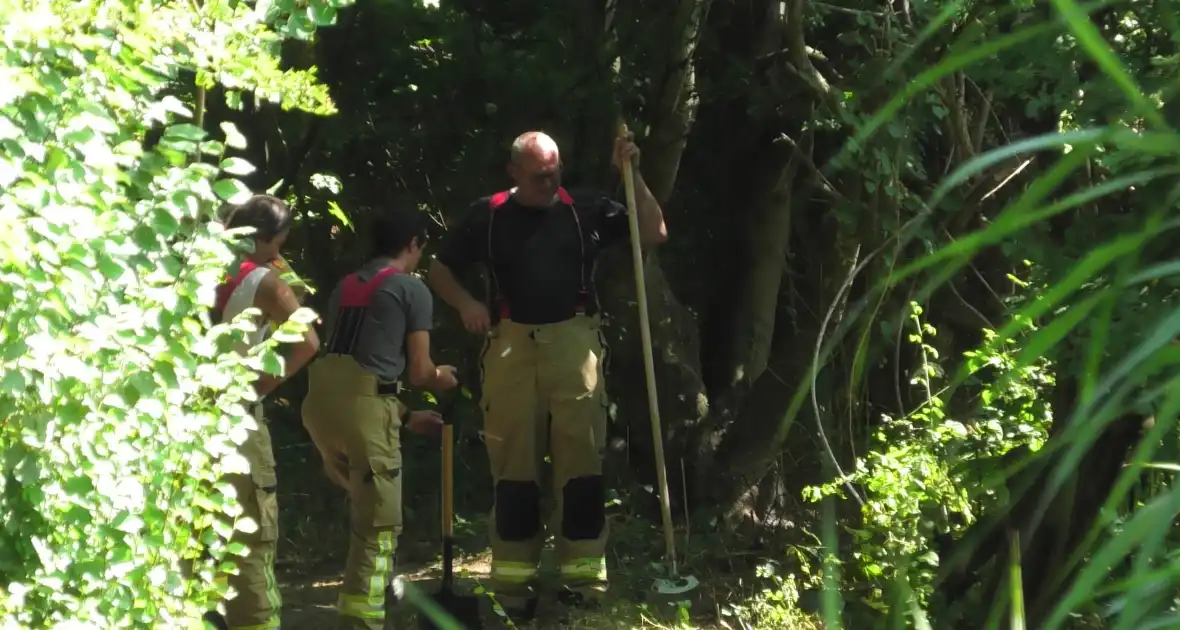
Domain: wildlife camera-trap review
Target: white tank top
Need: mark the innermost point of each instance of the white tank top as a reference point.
(241, 299)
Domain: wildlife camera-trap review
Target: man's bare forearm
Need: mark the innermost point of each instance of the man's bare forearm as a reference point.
(447, 286)
(652, 230)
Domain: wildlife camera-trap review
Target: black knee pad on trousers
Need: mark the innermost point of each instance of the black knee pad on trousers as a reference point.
(583, 508)
(518, 510)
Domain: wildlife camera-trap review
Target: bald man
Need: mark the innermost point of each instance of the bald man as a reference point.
(544, 361)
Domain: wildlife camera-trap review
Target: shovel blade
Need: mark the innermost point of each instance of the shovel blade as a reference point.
(464, 608)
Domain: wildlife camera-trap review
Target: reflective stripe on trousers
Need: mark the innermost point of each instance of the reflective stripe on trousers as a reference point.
(582, 569)
(544, 394)
(357, 434)
(371, 605)
(513, 572)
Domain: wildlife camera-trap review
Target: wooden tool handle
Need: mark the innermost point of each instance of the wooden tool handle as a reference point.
(448, 485)
(648, 360)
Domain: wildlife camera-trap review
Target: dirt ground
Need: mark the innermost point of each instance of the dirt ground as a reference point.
(309, 600)
(315, 539)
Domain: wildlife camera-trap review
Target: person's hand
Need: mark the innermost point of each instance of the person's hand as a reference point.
(625, 149)
(445, 378)
(475, 317)
(424, 422)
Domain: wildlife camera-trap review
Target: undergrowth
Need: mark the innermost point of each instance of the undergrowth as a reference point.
(924, 476)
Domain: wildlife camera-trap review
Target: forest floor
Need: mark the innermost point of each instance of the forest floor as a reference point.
(309, 601)
(314, 518)
(309, 587)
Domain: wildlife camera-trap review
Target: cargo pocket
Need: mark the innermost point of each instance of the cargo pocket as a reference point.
(266, 494)
(385, 479)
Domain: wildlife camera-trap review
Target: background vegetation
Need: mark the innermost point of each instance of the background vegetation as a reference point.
(914, 326)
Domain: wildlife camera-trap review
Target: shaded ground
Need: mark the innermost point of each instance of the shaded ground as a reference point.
(314, 521)
(314, 517)
(309, 600)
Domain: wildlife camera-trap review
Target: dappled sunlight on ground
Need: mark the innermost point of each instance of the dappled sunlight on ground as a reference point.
(309, 601)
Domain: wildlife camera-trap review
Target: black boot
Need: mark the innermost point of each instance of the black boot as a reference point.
(574, 599)
(523, 613)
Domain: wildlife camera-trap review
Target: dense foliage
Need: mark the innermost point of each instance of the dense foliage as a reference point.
(121, 406)
(913, 326)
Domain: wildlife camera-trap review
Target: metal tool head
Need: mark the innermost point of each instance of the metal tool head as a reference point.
(671, 587)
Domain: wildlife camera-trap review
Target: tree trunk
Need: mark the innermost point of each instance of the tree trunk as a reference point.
(676, 347)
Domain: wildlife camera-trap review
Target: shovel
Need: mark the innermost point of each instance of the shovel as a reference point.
(676, 587)
(463, 608)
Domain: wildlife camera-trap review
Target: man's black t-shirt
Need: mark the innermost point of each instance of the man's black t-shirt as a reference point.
(539, 267)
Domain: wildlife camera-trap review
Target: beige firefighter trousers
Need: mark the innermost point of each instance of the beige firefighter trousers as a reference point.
(254, 602)
(544, 395)
(357, 434)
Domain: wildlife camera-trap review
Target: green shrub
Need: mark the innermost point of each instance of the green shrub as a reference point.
(120, 407)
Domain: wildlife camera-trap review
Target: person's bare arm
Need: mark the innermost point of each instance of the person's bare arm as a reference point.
(652, 230)
(424, 374)
(278, 302)
(447, 286)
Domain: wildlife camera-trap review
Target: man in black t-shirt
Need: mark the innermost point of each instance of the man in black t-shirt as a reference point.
(543, 363)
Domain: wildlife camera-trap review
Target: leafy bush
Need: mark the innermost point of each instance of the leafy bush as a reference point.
(120, 404)
(925, 478)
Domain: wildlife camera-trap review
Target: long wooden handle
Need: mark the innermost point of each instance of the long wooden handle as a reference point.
(448, 480)
(448, 505)
(653, 406)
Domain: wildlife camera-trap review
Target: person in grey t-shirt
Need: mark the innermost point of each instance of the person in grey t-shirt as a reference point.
(376, 330)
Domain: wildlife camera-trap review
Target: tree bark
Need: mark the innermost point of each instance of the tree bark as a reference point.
(676, 347)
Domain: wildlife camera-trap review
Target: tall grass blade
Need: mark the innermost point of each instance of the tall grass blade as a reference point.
(1015, 583)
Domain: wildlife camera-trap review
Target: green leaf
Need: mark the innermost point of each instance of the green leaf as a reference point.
(232, 191)
(233, 137)
(334, 210)
(305, 316)
(185, 131)
(321, 13)
(286, 336)
(272, 364)
(237, 166)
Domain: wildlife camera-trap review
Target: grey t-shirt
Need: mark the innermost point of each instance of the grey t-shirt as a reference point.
(400, 305)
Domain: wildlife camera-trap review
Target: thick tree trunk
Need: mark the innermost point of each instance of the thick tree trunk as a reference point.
(674, 107)
(675, 342)
(746, 313)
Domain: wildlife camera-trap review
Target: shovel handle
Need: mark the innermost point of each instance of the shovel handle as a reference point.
(448, 481)
(648, 359)
(448, 492)
(446, 410)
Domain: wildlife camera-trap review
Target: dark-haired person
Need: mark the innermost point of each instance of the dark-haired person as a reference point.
(376, 332)
(253, 282)
(543, 363)
(279, 264)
